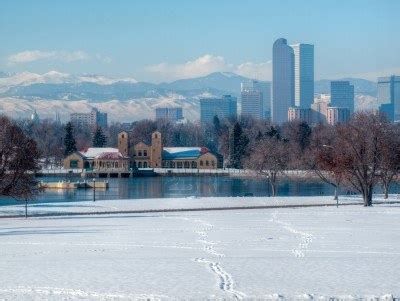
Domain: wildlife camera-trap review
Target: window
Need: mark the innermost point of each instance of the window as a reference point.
(155, 136)
(206, 162)
(145, 164)
(201, 162)
(145, 153)
(140, 165)
(179, 164)
(140, 153)
(123, 136)
(73, 164)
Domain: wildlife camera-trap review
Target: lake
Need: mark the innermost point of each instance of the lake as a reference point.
(184, 186)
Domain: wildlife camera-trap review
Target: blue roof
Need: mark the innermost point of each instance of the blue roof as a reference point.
(172, 153)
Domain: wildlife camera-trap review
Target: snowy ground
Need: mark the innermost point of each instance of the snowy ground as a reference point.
(344, 252)
(137, 205)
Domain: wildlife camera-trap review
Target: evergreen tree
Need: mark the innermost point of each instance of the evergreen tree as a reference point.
(238, 146)
(217, 126)
(99, 139)
(69, 140)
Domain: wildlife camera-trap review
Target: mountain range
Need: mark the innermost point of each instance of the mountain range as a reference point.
(23, 92)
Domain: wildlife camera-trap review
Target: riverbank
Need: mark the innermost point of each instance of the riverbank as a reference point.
(163, 205)
(324, 253)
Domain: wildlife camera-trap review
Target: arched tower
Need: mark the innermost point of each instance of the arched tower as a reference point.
(156, 150)
(123, 143)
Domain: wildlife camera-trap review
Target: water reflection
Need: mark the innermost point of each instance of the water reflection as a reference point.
(162, 187)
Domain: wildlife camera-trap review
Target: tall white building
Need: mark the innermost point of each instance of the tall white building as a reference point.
(303, 75)
(282, 81)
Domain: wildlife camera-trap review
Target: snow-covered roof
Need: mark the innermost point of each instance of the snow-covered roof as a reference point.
(111, 156)
(93, 152)
(171, 153)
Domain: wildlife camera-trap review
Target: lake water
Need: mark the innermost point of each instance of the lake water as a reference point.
(169, 187)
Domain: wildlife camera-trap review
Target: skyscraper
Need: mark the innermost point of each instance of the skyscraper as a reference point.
(389, 96)
(252, 104)
(303, 75)
(342, 95)
(282, 80)
(224, 107)
(265, 89)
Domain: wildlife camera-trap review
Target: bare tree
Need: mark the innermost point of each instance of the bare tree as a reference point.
(18, 162)
(269, 158)
(323, 158)
(357, 153)
(390, 155)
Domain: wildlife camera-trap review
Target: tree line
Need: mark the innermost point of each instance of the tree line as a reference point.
(357, 155)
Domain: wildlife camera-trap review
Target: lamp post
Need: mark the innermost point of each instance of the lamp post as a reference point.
(94, 189)
(336, 198)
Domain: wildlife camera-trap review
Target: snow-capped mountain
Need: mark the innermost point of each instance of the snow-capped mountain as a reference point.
(126, 99)
(54, 77)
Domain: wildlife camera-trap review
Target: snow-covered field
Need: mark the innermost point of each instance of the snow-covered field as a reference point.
(278, 253)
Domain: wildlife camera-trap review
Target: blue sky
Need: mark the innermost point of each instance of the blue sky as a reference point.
(166, 40)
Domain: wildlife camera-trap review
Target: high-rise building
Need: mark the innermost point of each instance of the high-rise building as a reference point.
(342, 95)
(252, 104)
(303, 75)
(93, 119)
(172, 114)
(319, 110)
(265, 89)
(225, 107)
(282, 80)
(299, 114)
(336, 115)
(389, 96)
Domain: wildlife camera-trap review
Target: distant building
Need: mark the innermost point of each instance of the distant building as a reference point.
(387, 109)
(389, 96)
(265, 89)
(335, 115)
(252, 104)
(35, 117)
(93, 119)
(303, 75)
(319, 111)
(282, 81)
(299, 114)
(342, 95)
(225, 107)
(172, 114)
(156, 155)
(98, 158)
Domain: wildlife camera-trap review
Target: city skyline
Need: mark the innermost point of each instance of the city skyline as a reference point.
(154, 41)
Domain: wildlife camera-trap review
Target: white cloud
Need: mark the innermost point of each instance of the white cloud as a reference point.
(37, 55)
(207, 64)
(261, 71)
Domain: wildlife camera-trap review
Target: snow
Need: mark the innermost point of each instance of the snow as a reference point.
(279, 253)
(121, 111)
(93, 152)
(55, 77)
